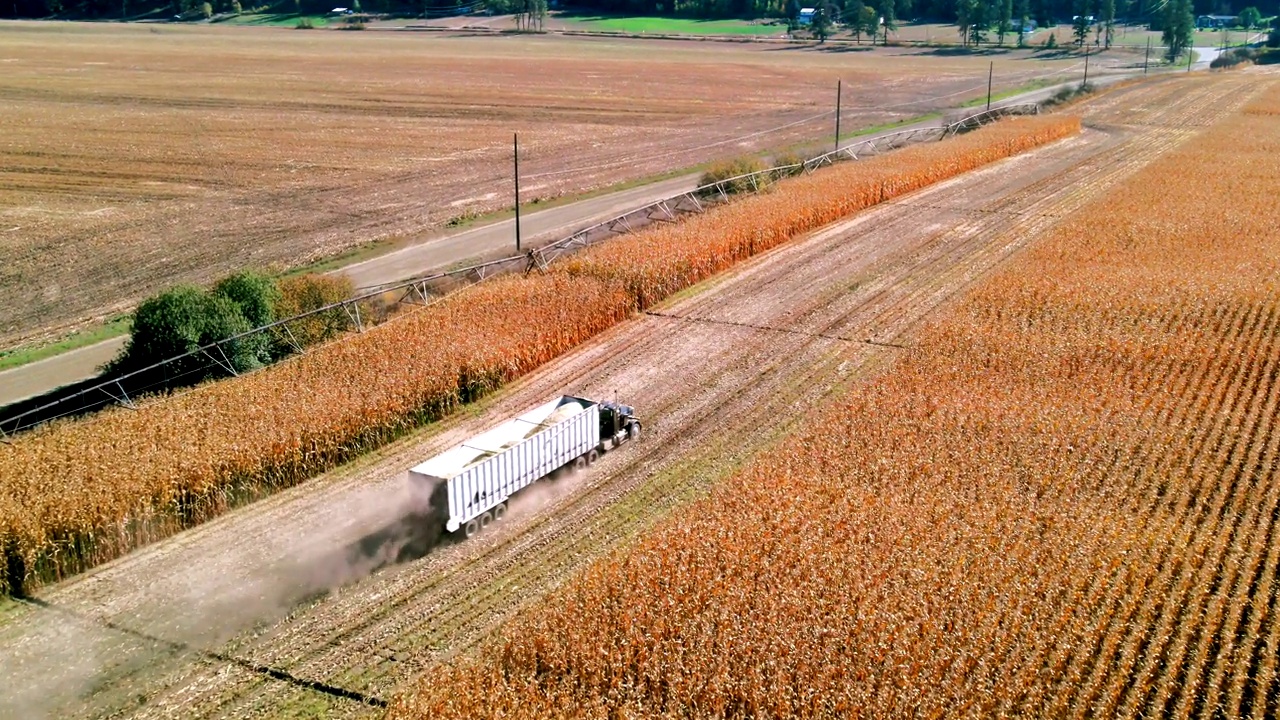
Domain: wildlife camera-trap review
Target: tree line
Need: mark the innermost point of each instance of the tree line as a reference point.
(961, 12)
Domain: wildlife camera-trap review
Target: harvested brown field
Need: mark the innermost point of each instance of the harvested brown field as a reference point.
(134, 157)
(1061, 502)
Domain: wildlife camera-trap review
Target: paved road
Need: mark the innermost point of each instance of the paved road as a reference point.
(550, 224)
(42, 376)
(442, 251)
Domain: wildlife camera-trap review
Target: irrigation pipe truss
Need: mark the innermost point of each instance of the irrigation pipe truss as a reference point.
(423, 290)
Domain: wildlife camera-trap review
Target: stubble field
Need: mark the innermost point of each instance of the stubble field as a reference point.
(135, 157)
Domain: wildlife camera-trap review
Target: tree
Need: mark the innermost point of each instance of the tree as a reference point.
(854, 13)
(889, 16)
(870, 22)
(540, 13)
(1109, 21)
(820, 25)
(183, 319)
(1080, 22)
(963, 19)
(979, 21)
(1005, 23)
(793, 15)
(1178, 26)
(303, 294)
(1023, 22)
(1040, 13)
(254, 294)
(1273, 40)
(1250, 18)
(223, 320)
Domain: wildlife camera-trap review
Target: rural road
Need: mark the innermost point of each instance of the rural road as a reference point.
(442, 251)
(550, 224)
(269, 610)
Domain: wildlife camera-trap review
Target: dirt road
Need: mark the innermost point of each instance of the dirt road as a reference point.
(236, 618)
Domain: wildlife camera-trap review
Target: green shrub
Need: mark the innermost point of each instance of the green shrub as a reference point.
(1067, 94)
(1245, 55)
(792, 162)
(728, 175)
(253, 293)
(305, 293)
(180, 320)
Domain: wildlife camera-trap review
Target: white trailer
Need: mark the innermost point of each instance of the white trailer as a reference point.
(469, 484)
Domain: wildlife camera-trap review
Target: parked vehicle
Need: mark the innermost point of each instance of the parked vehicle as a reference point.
(467, 486)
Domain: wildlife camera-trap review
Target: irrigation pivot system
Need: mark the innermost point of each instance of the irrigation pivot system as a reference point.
(427, 289)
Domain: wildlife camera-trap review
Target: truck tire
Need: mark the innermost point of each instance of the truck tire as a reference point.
(500, 511)
(580, 463)
(486, 520)
(592, 457)
(471, 528)
(633, 431)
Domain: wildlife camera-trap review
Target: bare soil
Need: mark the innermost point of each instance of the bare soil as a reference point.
(331, 582)
(135, 157)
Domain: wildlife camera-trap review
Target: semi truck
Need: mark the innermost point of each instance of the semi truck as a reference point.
(468, 486)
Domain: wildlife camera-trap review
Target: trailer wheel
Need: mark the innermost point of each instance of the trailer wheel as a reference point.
(471, 528)
(580, 463)
(485, 520)
(592, 457)
(500, 511)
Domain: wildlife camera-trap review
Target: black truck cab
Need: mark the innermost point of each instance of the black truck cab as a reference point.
(618, 423)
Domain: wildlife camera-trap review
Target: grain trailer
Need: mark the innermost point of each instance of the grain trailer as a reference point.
(468, 485)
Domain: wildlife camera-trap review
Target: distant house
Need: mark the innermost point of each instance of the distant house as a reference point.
(1017, 25)
(806, 15)
(1216, 22)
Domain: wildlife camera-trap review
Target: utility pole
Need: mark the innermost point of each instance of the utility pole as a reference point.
(1191, 53)
(990, 72)
(1146, 58)
(515, 147)
(838, 93)
(1086, 69)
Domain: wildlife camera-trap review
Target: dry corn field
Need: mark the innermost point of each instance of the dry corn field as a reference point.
(140, 156)
(78, 493)
(1060, 502)
(662, 261)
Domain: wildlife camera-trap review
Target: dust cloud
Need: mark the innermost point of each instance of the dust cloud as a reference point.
(54, 659)
(66, 659)
(96, 656)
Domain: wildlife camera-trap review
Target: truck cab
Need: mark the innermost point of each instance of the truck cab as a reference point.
(617, 424)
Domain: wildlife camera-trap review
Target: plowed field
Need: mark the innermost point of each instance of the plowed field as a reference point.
(135, 157)
(717, 373)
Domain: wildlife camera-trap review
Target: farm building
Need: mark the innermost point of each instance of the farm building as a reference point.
(1217, 21)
